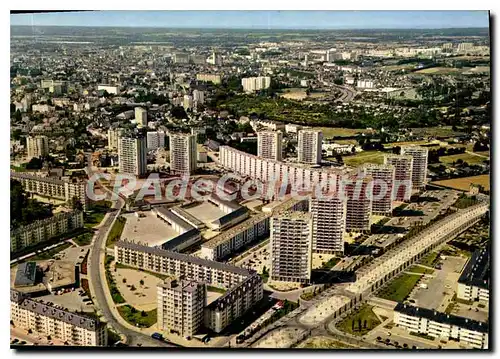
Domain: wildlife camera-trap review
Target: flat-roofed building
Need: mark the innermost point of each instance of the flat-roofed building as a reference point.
(291, 247)
(114, 135)
(328, 224)
(383, 186)
(474, 282)
(270, 145)
(141, 117)
(44, 230)
(65, 190)
(244, 287)
(439, 325)
(419, 166)
(402, 176)
(37, 146)
(45, 319)
(309, 149)
(155, 140)
(180, 306)
(216, 79)
(132, 155)
(357, 191)
(183, 153)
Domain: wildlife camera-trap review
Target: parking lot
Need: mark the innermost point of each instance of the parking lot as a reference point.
(441, 285)
(74, 301)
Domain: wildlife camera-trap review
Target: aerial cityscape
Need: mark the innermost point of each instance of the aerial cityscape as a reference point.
(250, 180)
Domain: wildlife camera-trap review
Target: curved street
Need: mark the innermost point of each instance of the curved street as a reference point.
(98, 283)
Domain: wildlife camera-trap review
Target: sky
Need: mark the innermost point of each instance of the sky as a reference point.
(261, 19)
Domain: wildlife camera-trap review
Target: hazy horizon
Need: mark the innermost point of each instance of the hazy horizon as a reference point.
(261, 20)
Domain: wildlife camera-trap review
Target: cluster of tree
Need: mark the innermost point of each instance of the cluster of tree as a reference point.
(152, 97)
(443, 151)
(179, 112)
(481, 146)
(24, 210)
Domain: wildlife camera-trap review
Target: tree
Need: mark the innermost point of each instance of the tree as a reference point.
(124, 280)
(76, 204)
(49, 337)
(141, 282)
(379, 339)
(143, 314)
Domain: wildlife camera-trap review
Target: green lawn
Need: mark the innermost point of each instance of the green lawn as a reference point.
(419, 269)
(115, 232)
(429, 259)
(398, 289)
(466, 157)
(92, 219)
(50, 253)
(359, 322)
(211, 288)
(329, 132)
(115, 293)
(83, 239)
(357, 159)
(144, 319)
(331, 263)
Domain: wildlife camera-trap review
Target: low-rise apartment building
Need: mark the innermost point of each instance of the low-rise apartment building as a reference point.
(257, 226)
(474, 282)
(57, 188)
(44, 229)
(469, 332)
(45, 319)
(222, 311)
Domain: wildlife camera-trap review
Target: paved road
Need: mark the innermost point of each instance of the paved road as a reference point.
(96, 267)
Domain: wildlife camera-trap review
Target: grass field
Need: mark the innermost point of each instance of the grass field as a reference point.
(429, 259)
(364, 157)
(466, 157)
(441, 131)
(50, 253)
(340, 131)
(439, 71)
(464, 183)
(294, 94)
(419, 269)
(115, 232)
(359, 322)
(136, 317)
(399, 288)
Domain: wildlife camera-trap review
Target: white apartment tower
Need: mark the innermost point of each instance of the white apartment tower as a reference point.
(383, 186)
(141, 117)
(328, 224)
(183, 153)
(291, 247)
(270, 145)
(187, 102)
(132, 155)
(198, 97)
(402, 176)
(114, 135)
(155, 140)
(310, 143)
(419, 167)
(252, 84)
(180, 306)
(37, 146)
(359, 203)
